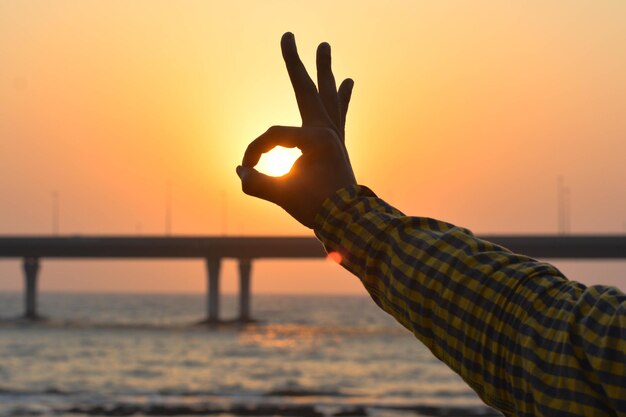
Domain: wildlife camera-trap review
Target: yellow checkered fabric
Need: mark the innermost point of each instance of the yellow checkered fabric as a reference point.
(526, 339)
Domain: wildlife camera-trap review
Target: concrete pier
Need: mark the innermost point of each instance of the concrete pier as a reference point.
(245, 270)
(213, 289)
(31, 269)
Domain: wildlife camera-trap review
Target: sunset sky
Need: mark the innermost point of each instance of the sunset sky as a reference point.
(463, 111)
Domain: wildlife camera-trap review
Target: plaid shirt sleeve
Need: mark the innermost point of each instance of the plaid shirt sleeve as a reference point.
(526, 339)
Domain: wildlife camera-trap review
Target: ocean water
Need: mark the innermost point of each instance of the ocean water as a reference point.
(111, 354)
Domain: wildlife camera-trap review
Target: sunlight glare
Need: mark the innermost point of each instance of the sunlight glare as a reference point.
(278, 161)
(334, 257)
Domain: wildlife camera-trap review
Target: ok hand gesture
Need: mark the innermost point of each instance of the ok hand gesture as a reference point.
(324, 166)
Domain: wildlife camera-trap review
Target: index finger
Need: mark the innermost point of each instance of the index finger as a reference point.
(287, 136)
(326, 83)
(311, 108)
(307, 139)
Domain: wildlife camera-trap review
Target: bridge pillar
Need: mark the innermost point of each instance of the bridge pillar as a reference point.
(31, 268)
(245, 268)
(213, 290)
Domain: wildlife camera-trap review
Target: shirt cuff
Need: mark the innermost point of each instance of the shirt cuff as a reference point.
(339, 223)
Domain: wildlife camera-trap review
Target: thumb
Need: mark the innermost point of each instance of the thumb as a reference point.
(256, 184)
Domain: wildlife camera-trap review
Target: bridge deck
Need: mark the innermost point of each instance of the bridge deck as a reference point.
(544, 246)
(161, 247)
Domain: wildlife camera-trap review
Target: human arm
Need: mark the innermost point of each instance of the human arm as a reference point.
(526, 339)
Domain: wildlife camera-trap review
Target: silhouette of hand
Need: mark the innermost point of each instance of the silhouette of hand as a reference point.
(324, 166)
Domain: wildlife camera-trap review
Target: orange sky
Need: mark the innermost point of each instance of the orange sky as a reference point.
(464, 111)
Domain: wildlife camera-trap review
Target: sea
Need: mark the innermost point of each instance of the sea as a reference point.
(147, 355)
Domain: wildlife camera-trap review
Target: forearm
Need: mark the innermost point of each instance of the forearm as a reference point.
(486, 312)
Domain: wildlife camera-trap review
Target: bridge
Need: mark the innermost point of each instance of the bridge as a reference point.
(247, 249)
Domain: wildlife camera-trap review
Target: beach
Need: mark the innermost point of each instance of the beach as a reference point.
(306, 356)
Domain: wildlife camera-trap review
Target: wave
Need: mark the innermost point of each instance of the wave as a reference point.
(122, 409)
(282, 410)
(276, 402)
(8, 392)
(309, 329)
(303, 392)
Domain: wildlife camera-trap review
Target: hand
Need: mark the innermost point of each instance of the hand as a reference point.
(324, 166)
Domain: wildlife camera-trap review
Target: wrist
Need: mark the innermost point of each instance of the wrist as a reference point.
(341, 200)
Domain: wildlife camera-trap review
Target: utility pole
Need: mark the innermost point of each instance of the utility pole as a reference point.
(563, 206)
(55, 213)
(168, 209)
(224, 213)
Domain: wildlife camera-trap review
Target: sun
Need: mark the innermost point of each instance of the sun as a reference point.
(278, 161)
